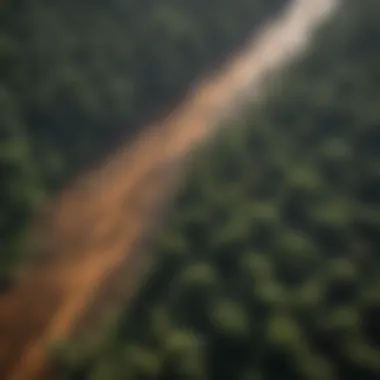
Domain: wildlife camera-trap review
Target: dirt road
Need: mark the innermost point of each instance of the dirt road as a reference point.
(97, 222)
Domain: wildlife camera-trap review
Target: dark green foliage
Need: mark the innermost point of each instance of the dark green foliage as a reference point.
(276, 270)
(78, 76)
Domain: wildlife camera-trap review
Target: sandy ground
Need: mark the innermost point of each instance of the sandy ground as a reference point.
(96, 223)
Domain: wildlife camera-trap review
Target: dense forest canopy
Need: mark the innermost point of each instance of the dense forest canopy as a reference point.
(269, 266)
(77, 75)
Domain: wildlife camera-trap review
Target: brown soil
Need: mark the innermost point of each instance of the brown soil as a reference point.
(97, 222)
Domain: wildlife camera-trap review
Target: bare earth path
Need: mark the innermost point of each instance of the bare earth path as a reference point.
(97, 222)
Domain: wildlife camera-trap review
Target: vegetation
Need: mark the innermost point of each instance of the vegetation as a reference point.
(77, 75)
(269, 267)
